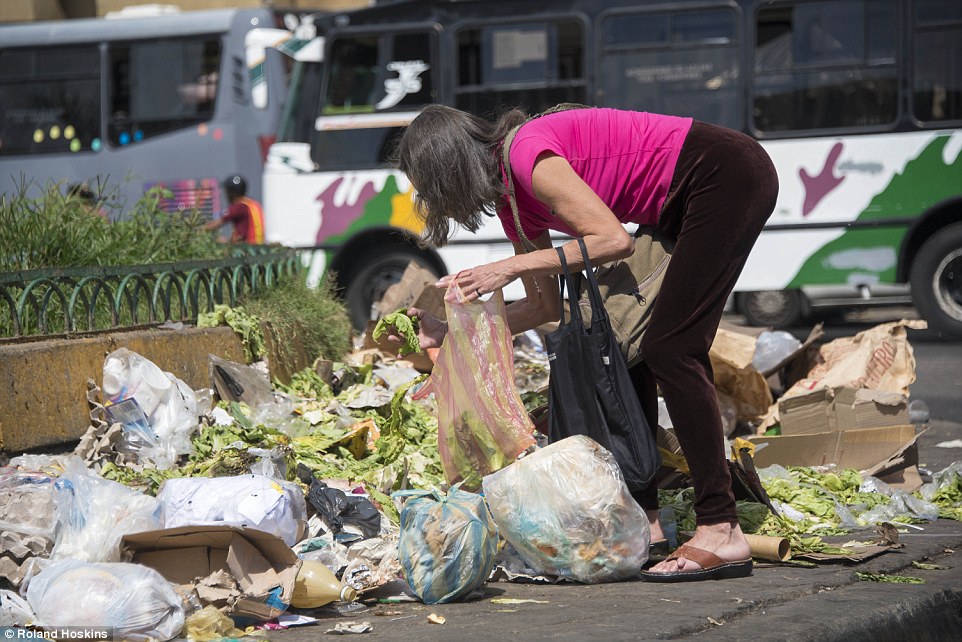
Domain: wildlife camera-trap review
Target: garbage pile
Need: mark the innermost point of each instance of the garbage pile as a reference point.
(250, 505)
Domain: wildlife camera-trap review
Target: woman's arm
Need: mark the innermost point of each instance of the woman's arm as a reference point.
(575, 204)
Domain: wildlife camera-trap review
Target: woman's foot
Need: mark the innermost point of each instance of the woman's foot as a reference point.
(654, 523)
(724, 540)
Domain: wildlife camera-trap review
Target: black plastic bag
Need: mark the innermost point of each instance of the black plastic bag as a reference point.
(337, 508)
(589, 389)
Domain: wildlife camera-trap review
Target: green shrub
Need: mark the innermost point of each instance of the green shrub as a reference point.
(57, 230)
(295, 314)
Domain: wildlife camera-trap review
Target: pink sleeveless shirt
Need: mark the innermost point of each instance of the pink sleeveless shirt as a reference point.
(626, 157)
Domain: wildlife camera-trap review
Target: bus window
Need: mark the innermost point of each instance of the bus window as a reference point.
(297, 123)
(160, 86)
(937, 48)
(49, 100)
(825, 66)
(528, 65)
(376, 73)
(681, 63)
(370, 74)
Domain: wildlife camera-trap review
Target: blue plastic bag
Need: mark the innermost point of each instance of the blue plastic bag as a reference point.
(447, 544)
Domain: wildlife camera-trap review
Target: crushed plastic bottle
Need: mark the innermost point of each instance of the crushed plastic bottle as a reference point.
(316, 585)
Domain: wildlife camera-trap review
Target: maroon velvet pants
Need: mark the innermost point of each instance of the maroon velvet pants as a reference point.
(722, 192)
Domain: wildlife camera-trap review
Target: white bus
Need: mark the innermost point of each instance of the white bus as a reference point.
(858, 102)
(179, 101)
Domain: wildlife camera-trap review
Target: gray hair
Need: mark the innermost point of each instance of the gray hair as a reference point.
(453, 158)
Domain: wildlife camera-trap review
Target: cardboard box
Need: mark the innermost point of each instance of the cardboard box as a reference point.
(863, 449)
(27, 10)
(843, 408)
(262, 565)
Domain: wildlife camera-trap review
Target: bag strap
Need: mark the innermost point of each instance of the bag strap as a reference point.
(567, 278)
(598, 311)
(506, 162)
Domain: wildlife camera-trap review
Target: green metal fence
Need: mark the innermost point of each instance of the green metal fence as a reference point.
(68, 301)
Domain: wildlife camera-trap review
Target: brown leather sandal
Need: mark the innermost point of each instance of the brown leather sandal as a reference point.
(712, 567)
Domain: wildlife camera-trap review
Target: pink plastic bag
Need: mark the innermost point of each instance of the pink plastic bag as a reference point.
(482, 423)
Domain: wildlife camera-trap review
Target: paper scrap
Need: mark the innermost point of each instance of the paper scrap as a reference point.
(955, 443)
(513, 600)
(288, 620)
(344, 628)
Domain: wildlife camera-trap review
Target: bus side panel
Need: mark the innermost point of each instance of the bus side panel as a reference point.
(330, 208)
(861, 194)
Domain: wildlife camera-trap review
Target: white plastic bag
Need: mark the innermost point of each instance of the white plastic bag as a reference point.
(168, 403)
(255, 501)
(94, 513)
(567, 511)
(136, 601)
(772, 347)
(14, 610)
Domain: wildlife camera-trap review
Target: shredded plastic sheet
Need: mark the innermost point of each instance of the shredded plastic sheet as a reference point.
(135, 600)
(448, 543)
(482, 423)
(945, 491)
(567, 511)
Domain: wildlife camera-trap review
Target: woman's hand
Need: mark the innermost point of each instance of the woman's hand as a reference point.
(481, 280)
(431, 330)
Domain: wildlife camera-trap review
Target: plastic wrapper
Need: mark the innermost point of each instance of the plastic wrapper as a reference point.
(136, 601)
(448, 543)
(482, 423)
(209, 624)
(238, 382)
(372, 562)
(252, 501)
(168, 404)
(94, 513)
(773, 347)
(567, 511)
(14, 610)
(338, 509)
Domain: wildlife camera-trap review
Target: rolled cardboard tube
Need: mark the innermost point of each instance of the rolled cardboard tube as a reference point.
(775, 549)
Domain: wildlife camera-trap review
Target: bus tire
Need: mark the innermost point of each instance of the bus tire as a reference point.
(936, 281)
(775, 308)
(379, 272)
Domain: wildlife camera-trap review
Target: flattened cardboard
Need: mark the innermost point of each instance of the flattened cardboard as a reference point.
(842, 408)
(416, 288)
(861, 448)
(258, 561)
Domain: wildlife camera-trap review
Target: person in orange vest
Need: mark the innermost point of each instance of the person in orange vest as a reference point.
(244, 213)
